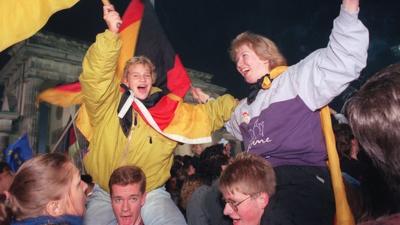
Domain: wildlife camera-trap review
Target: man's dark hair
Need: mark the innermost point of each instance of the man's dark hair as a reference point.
(343, 137)
(211, 161)
(374, 116)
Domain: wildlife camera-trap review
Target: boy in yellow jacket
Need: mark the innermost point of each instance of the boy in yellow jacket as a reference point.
(111, 146)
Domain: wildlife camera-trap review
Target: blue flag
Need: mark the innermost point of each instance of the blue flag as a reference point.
(18, 153)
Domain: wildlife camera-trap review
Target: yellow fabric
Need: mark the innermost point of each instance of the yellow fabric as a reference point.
(20, 19)
(82, 122)
(272, 75)
(174, 97)
(109, 148)
(129, 39)
(60, 98)
(198, 121)
(344, 215)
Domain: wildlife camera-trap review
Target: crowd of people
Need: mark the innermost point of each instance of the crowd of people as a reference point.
(281, 177)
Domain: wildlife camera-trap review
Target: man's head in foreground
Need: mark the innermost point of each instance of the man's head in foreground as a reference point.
(247, 184)
(374, 117)
(128, 193)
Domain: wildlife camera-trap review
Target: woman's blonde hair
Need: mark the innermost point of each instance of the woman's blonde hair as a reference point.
(262, 46)
(40, 180)
(144, 61)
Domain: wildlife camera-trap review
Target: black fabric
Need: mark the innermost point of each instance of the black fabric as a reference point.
(154, 44)
(352, 167)
(150, 101)
(126, 121)
(254, 89)
(303, 196)
(153, 99)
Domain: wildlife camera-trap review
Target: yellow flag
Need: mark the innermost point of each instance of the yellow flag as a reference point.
(344, 215)
(20, 19)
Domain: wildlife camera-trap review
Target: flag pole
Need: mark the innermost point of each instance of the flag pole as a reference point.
(64, 132)
(106, 2)
(81, 166)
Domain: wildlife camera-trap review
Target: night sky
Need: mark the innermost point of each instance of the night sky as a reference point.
(201, 31)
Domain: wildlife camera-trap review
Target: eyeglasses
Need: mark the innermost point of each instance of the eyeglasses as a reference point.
(235, 205)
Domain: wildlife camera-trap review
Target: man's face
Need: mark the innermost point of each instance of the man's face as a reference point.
(139, 80)
(249, 65)
(244, 209)
(126, 202)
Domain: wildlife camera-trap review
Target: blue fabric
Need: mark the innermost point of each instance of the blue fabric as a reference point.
(18, 153)
(49, 220)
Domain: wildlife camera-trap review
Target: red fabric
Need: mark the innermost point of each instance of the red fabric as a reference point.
(178, 81)
(163, 112)
(71, 136)
(132, 14)
(71, 87)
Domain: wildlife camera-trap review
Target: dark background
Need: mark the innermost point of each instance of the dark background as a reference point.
(201, 31)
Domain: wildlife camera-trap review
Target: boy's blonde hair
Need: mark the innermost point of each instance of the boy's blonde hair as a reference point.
(141, 60)
(248, 174)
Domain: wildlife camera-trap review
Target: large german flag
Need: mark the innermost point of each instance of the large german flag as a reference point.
(20, 19)
(141, 34)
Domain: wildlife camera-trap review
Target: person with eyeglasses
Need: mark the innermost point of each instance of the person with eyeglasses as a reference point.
(247, 185)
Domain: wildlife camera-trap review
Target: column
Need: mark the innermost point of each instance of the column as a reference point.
(29, 111)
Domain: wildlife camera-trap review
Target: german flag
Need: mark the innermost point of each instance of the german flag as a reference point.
(22, 19)
(63, 95)
(141, 34)
(154, 44)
